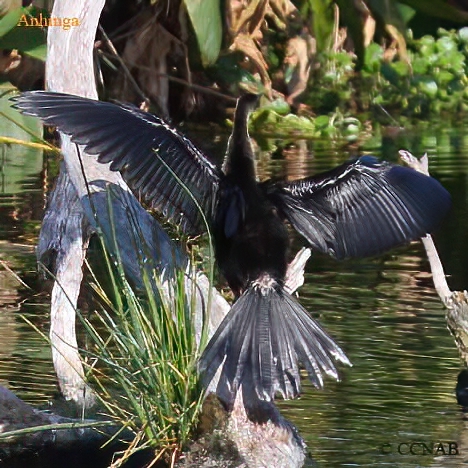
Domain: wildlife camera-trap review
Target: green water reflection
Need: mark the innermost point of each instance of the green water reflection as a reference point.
(384, 312)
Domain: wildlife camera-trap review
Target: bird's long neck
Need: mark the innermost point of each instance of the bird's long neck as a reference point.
(239, 159)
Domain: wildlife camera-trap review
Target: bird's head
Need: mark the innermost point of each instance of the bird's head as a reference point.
(245, 105)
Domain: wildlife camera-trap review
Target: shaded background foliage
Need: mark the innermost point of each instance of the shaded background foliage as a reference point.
(187, 58)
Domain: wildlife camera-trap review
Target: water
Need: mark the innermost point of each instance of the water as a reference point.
(395, 405)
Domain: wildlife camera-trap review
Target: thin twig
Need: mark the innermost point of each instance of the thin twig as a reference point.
(181, 81)
(112, 48)
(12, 273)
(54, 427)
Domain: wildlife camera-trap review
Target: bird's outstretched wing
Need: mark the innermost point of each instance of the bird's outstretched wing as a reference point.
(362, 207)
(157, 162)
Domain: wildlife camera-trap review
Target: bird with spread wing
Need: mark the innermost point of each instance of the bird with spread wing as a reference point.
(361, 208)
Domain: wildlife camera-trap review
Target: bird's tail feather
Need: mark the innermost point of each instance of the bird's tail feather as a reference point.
(262, 339)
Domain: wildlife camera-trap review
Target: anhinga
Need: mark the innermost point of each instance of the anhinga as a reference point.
(360, 208)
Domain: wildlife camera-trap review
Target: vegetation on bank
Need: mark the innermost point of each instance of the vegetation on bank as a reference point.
(431, 80)
(326, 66)
(142, 358)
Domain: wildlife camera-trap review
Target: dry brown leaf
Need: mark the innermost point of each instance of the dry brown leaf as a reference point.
(246, 17)
(279, 11)
(245, 21)
(369, 29)
(145, 54)
(245, 44)
(299, 55)
(147, 51)
(398, 45)
(277, 20)
(283, 8)
(22, 71)
(9, 61)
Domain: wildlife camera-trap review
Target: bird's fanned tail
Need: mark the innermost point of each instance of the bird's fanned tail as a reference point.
(263, 338)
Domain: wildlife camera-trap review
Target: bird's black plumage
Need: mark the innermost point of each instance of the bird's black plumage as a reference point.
(140, 146)
(360, 208)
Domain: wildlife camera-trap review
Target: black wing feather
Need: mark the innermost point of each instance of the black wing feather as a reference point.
(139, 145)
(362, 207)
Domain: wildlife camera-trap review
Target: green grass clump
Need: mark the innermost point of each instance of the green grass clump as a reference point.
(145, 359)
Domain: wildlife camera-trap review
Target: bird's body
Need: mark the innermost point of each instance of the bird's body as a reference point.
(361, 208)
(250, 238)
(257, 244)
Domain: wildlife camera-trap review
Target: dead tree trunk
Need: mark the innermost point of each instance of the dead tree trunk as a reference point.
(456, 302)
(69, 68)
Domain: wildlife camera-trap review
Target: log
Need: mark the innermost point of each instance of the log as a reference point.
(55, 440)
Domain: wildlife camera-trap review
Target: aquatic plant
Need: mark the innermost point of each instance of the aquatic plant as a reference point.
(142, 361)
(430, 80)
